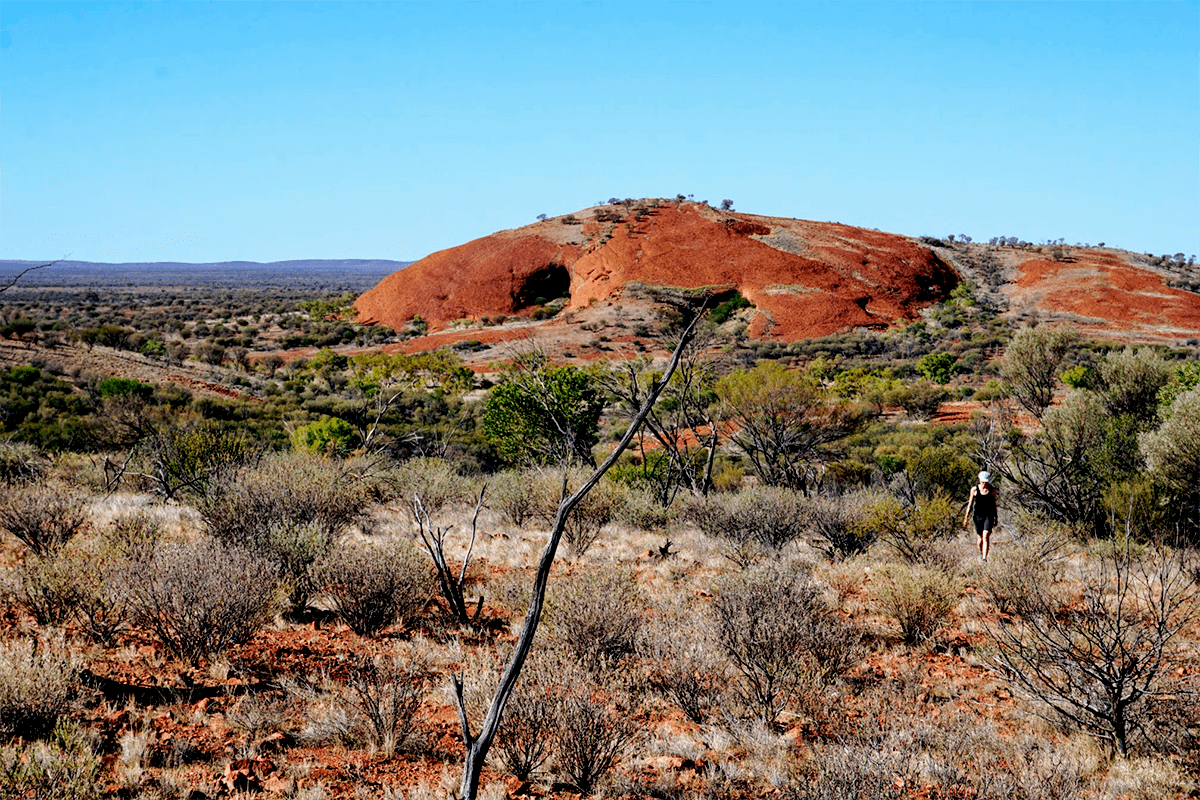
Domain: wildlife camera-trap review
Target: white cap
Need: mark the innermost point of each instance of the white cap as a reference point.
(985, 476)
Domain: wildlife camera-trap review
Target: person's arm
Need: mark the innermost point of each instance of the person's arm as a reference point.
(970, 506)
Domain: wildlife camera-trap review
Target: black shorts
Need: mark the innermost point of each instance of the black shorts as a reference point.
(984, 524)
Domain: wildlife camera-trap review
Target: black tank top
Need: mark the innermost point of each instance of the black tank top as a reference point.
(985, 504)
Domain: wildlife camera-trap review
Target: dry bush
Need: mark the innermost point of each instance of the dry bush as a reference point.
(839, 524)
(135, 535)
(200, 598)
(1019, 578)
(373, 585)
(597, 508)
(20, 461)
(100, 599)
(776, 629)
(770, 516)
(64, 768)
(919, 598)
(641, 510)
(435, 479)
(43, 515)
(545, 489)
(45, 587)
(513, 496)
(242, 507)
(387, 692)
(593, 729)
(524, 741)
(375, 706)
(917, 532)
(1108, 661)
(688, 666)
(596, 616)
(37, 686)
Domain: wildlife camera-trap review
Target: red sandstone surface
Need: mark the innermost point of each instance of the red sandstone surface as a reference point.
(806, 278)
(1107, 296)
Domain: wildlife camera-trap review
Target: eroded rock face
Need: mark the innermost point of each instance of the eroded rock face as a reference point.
(805, 278)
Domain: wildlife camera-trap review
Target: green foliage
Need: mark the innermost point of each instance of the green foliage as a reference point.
(542, 414)
(1128, 382)
(329, 436)
(937, 367)
(725, 310)
(916, 531)
(186, 456)
(1172, 454)
(939, 469)
(1184, 377)
(1076, 377)
(785, 421)
(1032, 361)
(124, 387)
(44, 411)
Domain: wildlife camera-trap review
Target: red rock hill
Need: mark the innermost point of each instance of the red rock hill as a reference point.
(806, 278)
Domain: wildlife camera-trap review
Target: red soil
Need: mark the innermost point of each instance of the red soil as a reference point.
(1106, 295)
(807, 278)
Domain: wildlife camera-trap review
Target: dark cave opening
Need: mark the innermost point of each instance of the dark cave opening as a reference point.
(546, 284)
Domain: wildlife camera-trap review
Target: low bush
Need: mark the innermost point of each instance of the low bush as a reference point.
(387, 692)
(779, 634)
(688, 667)
(919, 599)
(64, 768)
(592, 730)
(768, 516)
(374, 585)
(288, 510)
(513, 497)
(435, 479)
(596, 617)
(200, 598)
(839, 525)
(20, 461)
(43, 515)
(37, 686)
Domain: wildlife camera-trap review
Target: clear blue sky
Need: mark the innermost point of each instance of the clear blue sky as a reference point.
(270, 131)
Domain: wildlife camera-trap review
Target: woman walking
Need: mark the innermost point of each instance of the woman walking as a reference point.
(982, 509)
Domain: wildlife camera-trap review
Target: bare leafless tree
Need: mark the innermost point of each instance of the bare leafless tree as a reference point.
(477, 744)
(1101, 662)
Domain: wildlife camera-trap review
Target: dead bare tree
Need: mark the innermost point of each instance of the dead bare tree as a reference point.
(451, 586)
(477, 745)
(13, 281)
(1103, 662)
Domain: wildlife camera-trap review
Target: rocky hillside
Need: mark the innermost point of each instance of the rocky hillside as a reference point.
(804, 278)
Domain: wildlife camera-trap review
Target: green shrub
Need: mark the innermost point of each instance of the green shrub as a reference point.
(327, 436)
(917, 531)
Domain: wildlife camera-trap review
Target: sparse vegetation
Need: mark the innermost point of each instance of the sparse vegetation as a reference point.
(769, 595)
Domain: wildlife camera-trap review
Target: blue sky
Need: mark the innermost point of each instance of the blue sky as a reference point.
(269, 131)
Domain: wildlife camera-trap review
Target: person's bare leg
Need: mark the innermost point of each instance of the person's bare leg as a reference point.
(985, 544)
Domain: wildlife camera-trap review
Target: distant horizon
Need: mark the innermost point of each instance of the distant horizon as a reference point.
(149, 132)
